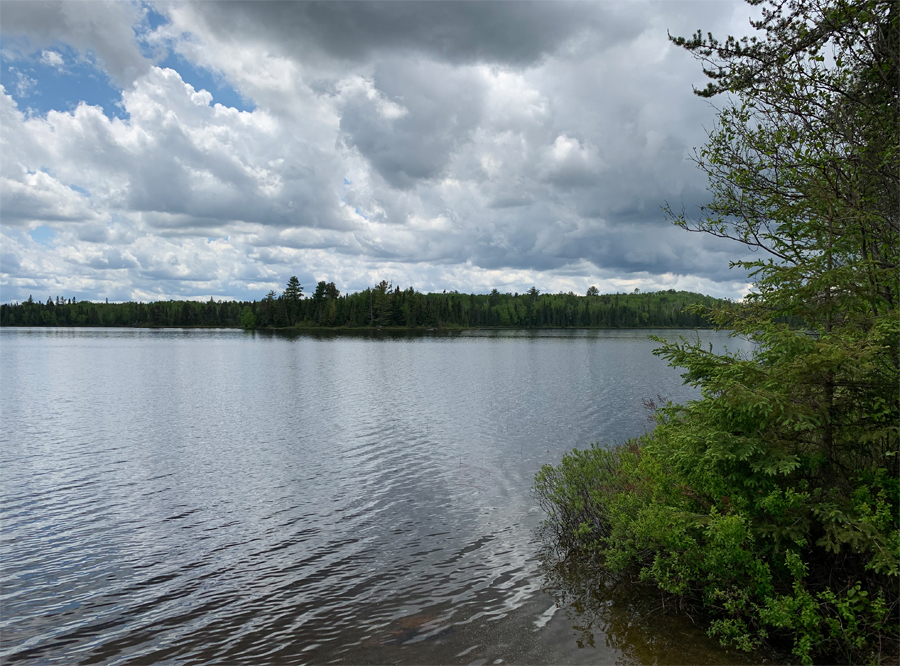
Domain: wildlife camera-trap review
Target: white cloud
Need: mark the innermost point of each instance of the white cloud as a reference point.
(468, 165)
(24, 84)
(36, 198)
(52, 58)
(103, 28)
(570, 163)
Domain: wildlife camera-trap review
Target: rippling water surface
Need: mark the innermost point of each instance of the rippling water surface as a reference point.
(229, 497)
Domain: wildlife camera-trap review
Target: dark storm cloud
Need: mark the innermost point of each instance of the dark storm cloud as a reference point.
(637, 249)
(509, 33)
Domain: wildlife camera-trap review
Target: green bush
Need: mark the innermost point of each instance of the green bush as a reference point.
(773, 500)
(777, 560)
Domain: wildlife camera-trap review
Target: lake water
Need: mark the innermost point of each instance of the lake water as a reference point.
(194, 496)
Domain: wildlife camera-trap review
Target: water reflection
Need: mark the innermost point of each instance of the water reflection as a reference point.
(216, 496)
(644, 627)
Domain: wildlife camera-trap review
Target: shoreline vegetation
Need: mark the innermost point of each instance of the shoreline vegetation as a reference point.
(383, 307)
(769, 508)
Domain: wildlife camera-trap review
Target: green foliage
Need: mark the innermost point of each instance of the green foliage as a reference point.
(773, 500)
(248, 319)
(290, 300)
(761, 548)
(69, 312)
(385, 306)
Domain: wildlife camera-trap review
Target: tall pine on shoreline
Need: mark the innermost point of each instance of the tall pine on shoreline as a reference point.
(772, 501)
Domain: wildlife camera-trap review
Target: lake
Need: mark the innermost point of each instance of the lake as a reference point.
(221, 496)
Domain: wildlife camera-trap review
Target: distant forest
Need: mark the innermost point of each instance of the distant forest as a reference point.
(382, 306)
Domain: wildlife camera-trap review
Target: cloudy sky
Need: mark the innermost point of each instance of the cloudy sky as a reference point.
(157, 150)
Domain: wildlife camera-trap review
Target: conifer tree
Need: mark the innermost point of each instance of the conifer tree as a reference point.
(773, 500)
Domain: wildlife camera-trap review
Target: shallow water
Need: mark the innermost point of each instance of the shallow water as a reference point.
(231, 497)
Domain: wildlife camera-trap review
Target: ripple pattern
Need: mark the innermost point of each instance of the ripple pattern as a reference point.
(224, 497)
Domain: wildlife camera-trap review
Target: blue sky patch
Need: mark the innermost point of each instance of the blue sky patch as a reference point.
(153, 17)
(43, 235)
(56, 79)
(202, 79)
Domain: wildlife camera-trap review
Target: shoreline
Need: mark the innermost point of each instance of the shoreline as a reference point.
(395, 329)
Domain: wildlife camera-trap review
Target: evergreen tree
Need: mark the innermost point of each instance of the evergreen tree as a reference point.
(773, 500)
(293, 292)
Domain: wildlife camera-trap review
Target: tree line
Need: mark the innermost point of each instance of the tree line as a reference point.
(384, 306)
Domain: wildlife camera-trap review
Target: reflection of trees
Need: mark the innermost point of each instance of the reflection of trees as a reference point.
(629, 617)
(588, 598)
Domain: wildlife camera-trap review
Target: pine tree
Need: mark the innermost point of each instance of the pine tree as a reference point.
(293, 292)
